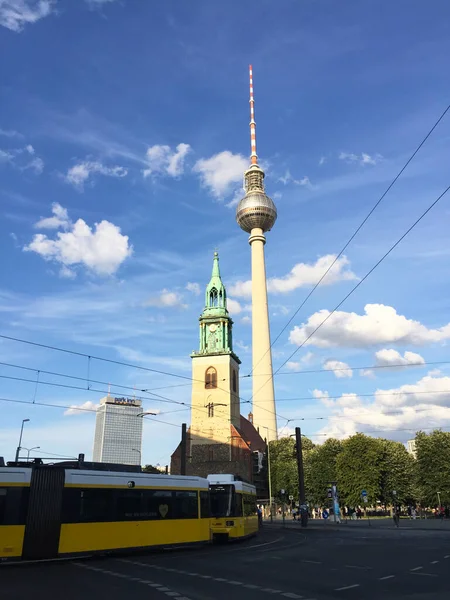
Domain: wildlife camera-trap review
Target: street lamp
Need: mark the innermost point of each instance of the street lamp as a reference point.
(29, 450)
(134, 450)
(142, 414)
(439, 499)
(20, 439)
(268, 472)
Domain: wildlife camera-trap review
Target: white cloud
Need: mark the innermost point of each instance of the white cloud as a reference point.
(193, 287)
(240, 344)
(80, 173)
(101, 250)
(67, 273)
(6, 156)
(287, 178)
(60, 218)
(80, 409)
(368, 373)
(166, 299)
(390, 357)
(301, 363)
(10, 133)
(15, 14)
(246, 320)
(36, 165)
(340, 369)
(234, 307)
(361, 159)
(392, 410)
(379, 325)
(162, 160)
(302, 275)
(221, 172)
(29, 148)
(323, 160)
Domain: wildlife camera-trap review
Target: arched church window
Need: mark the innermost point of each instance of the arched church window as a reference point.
(234, 381)
(210, 378)
(213, 298)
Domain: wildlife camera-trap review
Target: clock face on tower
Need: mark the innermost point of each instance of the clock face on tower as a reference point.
(212, 327)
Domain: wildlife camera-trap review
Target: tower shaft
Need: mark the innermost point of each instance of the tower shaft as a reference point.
(264, 414)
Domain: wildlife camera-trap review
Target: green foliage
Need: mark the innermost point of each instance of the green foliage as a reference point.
(397, 473)
(320, 470)
(358, 467)
(151, 469)
(433, 467)
(283, 465)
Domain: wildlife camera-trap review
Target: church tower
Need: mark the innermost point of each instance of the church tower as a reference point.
(215, 378)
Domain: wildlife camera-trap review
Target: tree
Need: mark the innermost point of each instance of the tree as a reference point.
(283, 465)
(359, 467)
(151, 469)
(397, 474)
(433, 467)
(320, 470)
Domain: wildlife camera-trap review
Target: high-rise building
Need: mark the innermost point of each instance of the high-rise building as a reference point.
(411, 448)
(118, 431)
(256, 213)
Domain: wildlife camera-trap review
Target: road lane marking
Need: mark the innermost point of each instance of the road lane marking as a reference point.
(290, 595)
(347, 587)
(387, 577)
(266, 544)
(250, 586)
(416, 569)
(447, 556)
(312, 562)
(425, 574)
(434, 562)
(357, 567)
(157, 586)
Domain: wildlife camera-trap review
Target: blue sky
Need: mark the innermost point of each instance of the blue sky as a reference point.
(123, 138)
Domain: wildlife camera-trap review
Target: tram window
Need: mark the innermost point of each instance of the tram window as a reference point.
(129, 505)
(204, 505)
(249, 506)
(13, 505)
(158, 504)
(2, 506)
(95, 506)
(186, 505)
(237, 512)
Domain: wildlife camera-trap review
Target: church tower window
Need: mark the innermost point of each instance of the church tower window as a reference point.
(213, 298)
(210, 378)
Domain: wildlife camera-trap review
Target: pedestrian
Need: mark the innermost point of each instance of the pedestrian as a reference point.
(260, 516)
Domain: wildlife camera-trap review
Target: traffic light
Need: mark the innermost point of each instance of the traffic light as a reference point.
(257, 462)
(330, 493)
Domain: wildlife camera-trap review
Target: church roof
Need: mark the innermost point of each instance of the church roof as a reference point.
(251, 436)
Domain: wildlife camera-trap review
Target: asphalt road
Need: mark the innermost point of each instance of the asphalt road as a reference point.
(317, 563)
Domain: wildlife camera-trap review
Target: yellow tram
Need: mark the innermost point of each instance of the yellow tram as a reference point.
(52, 511)
(233, 508)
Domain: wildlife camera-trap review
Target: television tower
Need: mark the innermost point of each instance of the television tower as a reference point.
(256, 213)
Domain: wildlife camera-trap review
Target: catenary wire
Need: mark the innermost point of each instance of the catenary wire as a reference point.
(360, 226)
(416, 222)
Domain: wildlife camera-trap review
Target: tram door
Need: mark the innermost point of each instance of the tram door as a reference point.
(44, 513)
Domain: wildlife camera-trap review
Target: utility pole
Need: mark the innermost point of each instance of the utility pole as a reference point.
(19, 447)
(301, 478)
(183, 450)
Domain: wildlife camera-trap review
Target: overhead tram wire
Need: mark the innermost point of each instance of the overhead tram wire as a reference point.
(416, 222)
(350, 368)
(357, 230)
(89, 356)
(151, 395)
(366, 276)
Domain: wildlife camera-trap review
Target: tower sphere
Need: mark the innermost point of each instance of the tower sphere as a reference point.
(256, 209)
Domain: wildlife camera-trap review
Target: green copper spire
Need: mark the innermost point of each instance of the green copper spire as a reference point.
(216, 295)
(215, 322)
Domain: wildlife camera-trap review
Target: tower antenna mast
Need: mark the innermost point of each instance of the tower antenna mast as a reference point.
(254, 156)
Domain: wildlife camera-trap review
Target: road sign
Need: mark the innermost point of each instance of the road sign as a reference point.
(394, 492)
(291, 498)
(282, 492)
(364, 494)
(325, 514)
(365, 498)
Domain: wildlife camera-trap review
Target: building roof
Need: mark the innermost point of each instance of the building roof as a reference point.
(251, 436)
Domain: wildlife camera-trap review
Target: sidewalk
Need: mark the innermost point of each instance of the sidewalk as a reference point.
(417, 524)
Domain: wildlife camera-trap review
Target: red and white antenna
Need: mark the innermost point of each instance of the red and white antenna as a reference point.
(254, 156)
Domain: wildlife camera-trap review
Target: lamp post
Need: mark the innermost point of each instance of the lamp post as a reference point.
(139, 452)
(268, 473)
(29, 450)
(20, 439)
(439, 499)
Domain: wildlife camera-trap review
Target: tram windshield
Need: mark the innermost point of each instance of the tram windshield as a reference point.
(221, 500)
